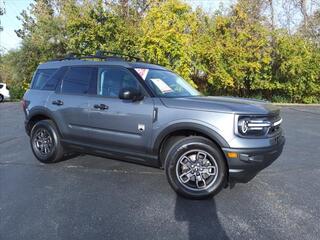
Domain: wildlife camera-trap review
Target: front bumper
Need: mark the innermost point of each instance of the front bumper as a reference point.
(249, 162)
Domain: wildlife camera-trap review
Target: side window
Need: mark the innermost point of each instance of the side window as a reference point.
(1, 86)
(53, 81)
(41, 77)
(111, 80)
(77, 80)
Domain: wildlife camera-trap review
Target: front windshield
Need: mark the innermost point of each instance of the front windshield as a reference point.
(167, 84)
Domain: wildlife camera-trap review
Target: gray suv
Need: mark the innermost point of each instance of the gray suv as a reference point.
(144, 113)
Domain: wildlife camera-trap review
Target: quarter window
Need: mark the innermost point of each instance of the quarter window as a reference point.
(53, 81)
(41, 77)
(77, 80)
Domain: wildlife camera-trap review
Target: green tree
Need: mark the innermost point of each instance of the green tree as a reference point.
(236, 56)
(231, 52)
(166, 36)
(298, 72)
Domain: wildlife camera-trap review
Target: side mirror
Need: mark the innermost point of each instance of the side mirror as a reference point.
(130, 94)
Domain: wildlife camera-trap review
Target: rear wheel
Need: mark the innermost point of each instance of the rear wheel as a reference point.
(45, 142)
(1, 98)
(195, 168)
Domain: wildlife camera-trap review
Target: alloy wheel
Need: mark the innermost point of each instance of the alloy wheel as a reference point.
(43, 142)
(197, 170)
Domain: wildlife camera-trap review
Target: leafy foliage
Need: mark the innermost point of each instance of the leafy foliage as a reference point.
(231, 53)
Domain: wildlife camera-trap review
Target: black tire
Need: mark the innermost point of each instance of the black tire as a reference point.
(1, 98)
(214, 162)
(50, 133)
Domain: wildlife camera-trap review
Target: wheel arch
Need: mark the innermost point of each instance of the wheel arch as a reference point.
(37, 115)
(186, 129)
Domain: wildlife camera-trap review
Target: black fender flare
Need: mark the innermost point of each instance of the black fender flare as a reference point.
(40, 111)
(205, 130)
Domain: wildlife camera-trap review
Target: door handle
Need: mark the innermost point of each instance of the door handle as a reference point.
(57, 102)
(101, 106)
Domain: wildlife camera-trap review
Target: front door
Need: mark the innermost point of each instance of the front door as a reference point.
(118, 124)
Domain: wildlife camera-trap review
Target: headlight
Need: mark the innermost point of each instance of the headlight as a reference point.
(243, 126)
(252, 126)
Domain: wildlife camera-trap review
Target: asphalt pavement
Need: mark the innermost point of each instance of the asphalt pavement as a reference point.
(89, 197)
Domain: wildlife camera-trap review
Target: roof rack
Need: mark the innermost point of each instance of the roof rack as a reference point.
(116, 54)
(99, 55)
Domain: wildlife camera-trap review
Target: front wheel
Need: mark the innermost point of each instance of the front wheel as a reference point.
(1, 98)
(195, 168)
(45, 142)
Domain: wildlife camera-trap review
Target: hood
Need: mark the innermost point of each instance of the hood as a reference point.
(222, 104)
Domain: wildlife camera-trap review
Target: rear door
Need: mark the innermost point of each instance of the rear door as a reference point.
(122, 124)
(69, 103)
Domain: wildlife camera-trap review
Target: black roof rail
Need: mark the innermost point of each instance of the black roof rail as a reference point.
(99, 55)
(69, 56)
(117, 54)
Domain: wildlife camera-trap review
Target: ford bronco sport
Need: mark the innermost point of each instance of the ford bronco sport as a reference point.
(136, 111)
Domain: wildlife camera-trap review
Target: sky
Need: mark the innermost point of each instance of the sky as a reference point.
(9, 22)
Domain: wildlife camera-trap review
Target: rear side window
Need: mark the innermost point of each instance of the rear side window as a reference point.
(41, 77)
(55, 79)
(1, 86)
(77, 80)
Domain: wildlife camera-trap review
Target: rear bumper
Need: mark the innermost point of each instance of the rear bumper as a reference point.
(250, 162)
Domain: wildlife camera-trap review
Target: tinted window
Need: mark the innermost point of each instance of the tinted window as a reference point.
(77, 80)
(41, 77)
(112, 80)
(53, 81)
(1, 86)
